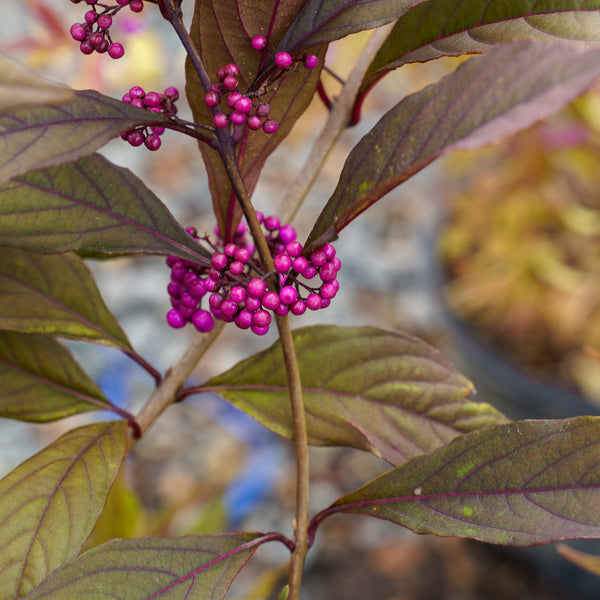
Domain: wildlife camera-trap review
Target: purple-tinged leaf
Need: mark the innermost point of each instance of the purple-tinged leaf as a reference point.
(222, 39)
(322, 21)
(24, 86)
(586, 561)
(54, 295)
(373, 389)
(50, 503)
(440, 28)
(90, 205)
(519, 484)
(41, 381)
(486, 98)
(153, 568)
(33, 137)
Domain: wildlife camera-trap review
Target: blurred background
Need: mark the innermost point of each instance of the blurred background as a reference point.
(492, 256)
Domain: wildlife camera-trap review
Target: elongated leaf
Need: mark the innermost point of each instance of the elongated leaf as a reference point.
(323, 21)
(222, 39)
(191, 567)
(29, 88)
(586, 561)
(54, 295)
(373, 389)
(440, 28)
(41, 381)
(89, 205)
(525, 483)
(49, 504)
(485, 99)
(33, 137)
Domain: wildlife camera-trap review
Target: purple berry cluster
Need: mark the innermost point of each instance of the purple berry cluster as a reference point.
(162, 103)
(235, 282)
(93, 34)
(248, 109)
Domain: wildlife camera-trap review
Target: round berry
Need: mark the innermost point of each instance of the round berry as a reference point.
(336, 263)
(236, 267)
(282, 310)
(243, 104)
(300, 264)
(78, 32)
(153, 142)
(283, 60)
(103, 46)
(122, 2)
(314, 302)
(233, 98)
(271, 300)
(282, 263)
(310, 61)
(256, 288)
(197, 288)
(104, 21)
(329, 251)
(135, 138)
(172, 93)
(298, 308)
(263, 110)
(288, 294)
(96, 39)
(215, 300)
(237, 118)
(230, 249)
(230, 82)
(90, 17)
(259, 42)
(203, 321)
(157, 130)
(260, 330)
(254, 122)
(252, 304)
(229, 307)
(237, 294)
(86, 47)
(244, 319)
(152, 99)
(138, 102)
(174, 319)
(221, 120)
(287, 234)
(309, 272)
(211, 99)
(328, 272)
(242, 255)
(261, 318)
(317, 258)
(272, 223)
(136, 92)
(270, 126)
(173, 288)
(219, 261)
(188, 300)
(136, 5)
(126, 98)
(327, 291)
(292, 248)
(210, 285)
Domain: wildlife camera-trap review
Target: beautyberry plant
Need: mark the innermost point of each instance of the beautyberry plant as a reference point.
(457, 467)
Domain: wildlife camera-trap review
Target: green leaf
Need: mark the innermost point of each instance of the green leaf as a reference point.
(41, 380)
(54, 295)
(19, 83)
(519, 484)
(373, 389)
(33, 137)
(90, 205)
(191, 567)
(220, 40)
(438, 28)
(485, 99)
(323, 21)
(49, 504)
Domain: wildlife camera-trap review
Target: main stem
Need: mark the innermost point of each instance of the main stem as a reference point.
(226, 149)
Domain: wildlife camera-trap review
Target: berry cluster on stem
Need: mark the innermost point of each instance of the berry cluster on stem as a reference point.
(93, 34)
(161, 103)
(235, 282)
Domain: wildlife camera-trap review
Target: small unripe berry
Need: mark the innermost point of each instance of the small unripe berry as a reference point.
(104, 21)
(78, 32)
(221, 120)
(152, 142)
(259, 42)
(136, 5)
(310, 61)
(283, 60)
(270, 126)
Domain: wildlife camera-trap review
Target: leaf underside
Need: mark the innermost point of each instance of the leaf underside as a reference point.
(190, 567)
(41, 381)
(520, 484)
(90, 205)
(50, 503)
(492, 96)
(368, 388)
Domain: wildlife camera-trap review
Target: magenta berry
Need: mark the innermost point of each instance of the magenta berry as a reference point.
(298, 308)
(174, 319)
(270, 126)
(221, 120)
(152, 99)
(252, 304)
(219, 261)
(236, 267)
(172, 93)
(91, 16)
(244, 319)
(288, 294)
(233, 98)
(135, 138)
(283, 60)
(230, 82)
(104, 21)
(261, 318)
(136, 5)
(203, 321)
(259, 330)
(211, 99)
(263, 110)
(259, 42)
(237, 294)
(282, 263)
(292, 248)
(256, 288)
(237, 118)
(78, 32)
(116, 50)
(243, 104)
(300, 264)
(287, 234)
(310, 61)
(272, 223)
(136, 92)
(271, 300)
(152, 142)
(314, 302)
(242, 255)
(254, 122)
(328, 291)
